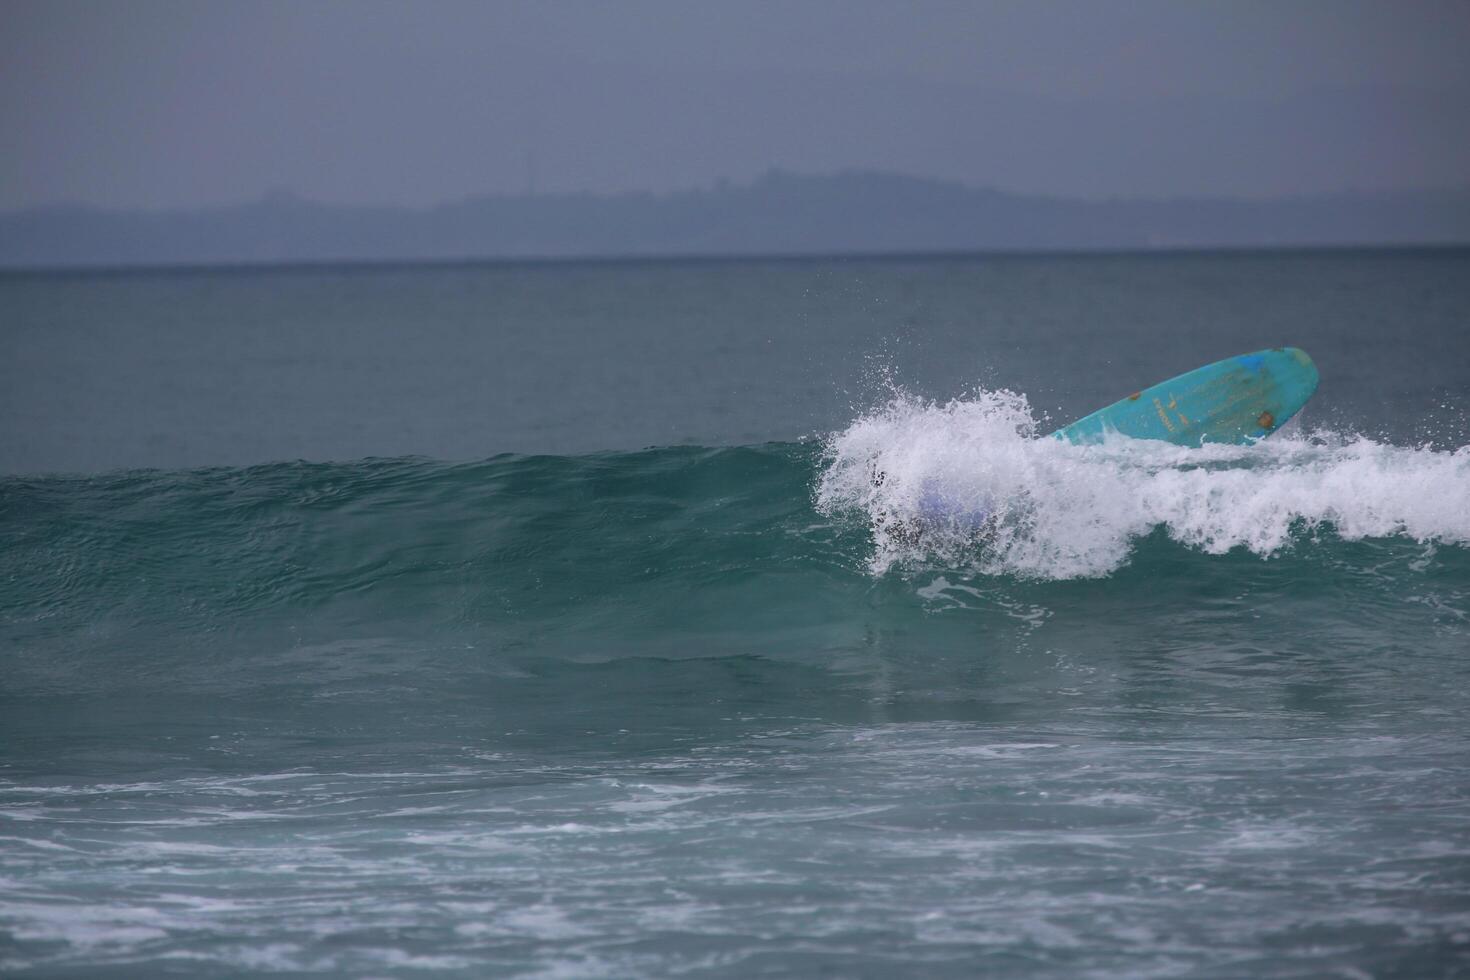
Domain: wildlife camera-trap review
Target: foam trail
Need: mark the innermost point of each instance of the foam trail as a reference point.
(923, 473)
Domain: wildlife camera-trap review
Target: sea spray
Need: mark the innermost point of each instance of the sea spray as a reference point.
(969, 483)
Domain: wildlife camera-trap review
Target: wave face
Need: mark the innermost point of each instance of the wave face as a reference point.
(755, 708)
(596, 543)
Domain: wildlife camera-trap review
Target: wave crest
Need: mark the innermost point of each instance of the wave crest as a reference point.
(968, 482)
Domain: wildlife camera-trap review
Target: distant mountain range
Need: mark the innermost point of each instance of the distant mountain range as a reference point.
(778, 214)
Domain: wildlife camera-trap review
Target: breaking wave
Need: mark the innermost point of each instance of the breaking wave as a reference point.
(969, 482)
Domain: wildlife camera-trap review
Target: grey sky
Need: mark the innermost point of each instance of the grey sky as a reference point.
(168, 104)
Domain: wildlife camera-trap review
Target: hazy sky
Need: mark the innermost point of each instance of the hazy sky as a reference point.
(177, 104)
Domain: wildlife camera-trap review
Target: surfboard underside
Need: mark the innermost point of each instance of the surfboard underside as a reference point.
(1237, 400)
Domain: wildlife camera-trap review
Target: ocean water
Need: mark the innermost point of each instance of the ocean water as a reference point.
(546, 620)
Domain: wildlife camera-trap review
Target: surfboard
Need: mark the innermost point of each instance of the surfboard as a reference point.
(1237, 400)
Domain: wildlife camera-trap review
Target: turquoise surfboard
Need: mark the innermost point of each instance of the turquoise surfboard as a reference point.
(1237, 400)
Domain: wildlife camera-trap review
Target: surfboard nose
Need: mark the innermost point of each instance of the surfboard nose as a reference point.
(1299, 367)
(1303, 359)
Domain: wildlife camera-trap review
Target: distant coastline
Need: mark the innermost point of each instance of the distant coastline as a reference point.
(851, 213)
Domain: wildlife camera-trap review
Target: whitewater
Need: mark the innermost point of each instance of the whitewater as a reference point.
(1050, 509)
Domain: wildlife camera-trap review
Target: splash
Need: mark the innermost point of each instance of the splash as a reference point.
(970, 483)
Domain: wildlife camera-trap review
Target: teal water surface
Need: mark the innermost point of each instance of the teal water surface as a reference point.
(615, 711)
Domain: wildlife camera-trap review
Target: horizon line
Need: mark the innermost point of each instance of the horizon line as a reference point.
(716, 258)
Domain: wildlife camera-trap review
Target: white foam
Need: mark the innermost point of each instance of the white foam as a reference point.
(921, 474)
